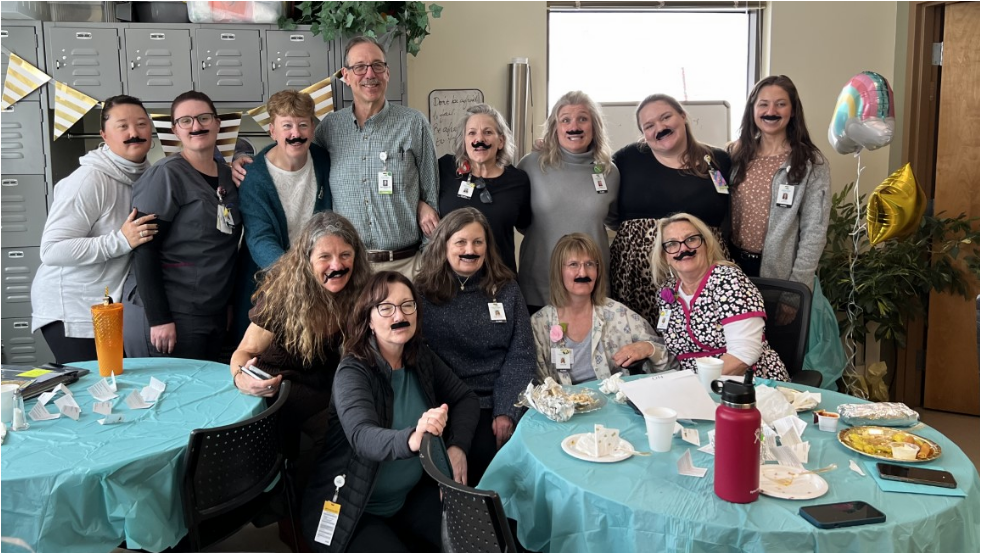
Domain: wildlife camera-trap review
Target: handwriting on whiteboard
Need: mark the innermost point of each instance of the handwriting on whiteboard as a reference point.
(446, 108)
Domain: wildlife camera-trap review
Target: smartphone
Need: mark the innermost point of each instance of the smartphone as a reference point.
(841, 514)
(256, 373)
(919, 475)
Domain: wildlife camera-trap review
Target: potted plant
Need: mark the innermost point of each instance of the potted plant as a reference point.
(384, 21)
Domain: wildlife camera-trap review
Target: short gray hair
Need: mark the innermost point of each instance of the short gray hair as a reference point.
(361, 39)
(505, 156)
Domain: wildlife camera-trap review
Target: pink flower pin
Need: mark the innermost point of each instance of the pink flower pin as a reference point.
(667, 295)
(555, 333)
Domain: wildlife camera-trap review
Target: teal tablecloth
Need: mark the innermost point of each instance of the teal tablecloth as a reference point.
(72, 486)
(642, 504)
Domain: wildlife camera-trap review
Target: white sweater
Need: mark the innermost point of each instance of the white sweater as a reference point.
(83, 250)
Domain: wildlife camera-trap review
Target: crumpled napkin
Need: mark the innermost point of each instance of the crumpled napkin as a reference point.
(549, 399)
(801, 400)
(772, 404)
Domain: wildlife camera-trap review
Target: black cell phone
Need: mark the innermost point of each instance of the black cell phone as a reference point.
(256, 373)
(841, 514)
(919, 475)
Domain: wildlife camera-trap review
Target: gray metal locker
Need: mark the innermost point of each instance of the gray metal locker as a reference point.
(23, 42)
(19, 267)
(395, 57)
(158, 63)
(228, 64)
(296, 60)
(85, 59)
(24, 208)
(20, 346)
(21, 144)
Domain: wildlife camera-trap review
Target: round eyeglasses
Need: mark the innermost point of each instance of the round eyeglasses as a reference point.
(362, 68)
(673, 246)
(187, 121)
(387, 309)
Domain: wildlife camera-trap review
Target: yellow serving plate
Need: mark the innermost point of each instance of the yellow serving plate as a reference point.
(874, 442)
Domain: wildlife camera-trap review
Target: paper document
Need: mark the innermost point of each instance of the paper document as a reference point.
(103, 391)
(681, 391)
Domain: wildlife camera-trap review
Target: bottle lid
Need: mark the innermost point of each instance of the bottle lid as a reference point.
(735, 392)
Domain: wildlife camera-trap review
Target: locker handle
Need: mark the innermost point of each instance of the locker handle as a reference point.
(15, 254)
(132, 65)
(272, 66)
(57, 64)
(204, 65)
(9, 183)
(20, 325)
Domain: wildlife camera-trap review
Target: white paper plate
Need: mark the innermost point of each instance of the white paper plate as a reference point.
(802, 487)
(622, 452)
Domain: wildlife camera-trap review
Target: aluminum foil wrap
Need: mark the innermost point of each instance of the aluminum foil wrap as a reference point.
(549, 399)
(885, 414)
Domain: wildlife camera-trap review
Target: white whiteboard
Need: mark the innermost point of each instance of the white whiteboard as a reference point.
(446, 108)
(709, 121)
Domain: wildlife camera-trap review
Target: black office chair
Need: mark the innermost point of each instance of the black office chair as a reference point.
(473, 520)
(789, 339)
(227, 471)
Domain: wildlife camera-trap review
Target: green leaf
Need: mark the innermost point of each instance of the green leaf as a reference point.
(436, 9)
(348, 21)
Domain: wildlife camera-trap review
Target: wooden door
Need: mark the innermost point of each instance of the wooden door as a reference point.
(952, 379)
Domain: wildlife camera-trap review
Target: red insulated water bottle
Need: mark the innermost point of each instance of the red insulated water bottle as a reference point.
(737, 442)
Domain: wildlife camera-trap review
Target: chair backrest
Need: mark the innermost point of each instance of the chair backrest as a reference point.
(473, 519)
(227, 467)
(788, 338)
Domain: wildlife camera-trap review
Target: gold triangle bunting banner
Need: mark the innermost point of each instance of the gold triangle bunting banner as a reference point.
(261, 116)
(228, 134)
(323, 97)
(165, 133)
(70, 106)
(22, 79)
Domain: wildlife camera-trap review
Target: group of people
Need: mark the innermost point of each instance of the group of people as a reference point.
(382, 281)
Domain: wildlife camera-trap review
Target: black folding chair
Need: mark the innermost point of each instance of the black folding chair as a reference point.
(789, 339)
(473, 520)
(231, 473)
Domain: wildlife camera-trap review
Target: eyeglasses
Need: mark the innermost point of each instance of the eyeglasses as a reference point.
(387, 309)
(574, 266)
(362, 68)
(187, 121)
(485, 195)
(673, 246)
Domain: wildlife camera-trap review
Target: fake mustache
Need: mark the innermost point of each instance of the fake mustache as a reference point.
(297, 140)
(400, 324)
(583, 279)
(134, 140)
(337, 273)
(199, 132)
(685, 254)
(479, 144)
(663, 133)
(575, 133)
(470, 256)
(771, 118)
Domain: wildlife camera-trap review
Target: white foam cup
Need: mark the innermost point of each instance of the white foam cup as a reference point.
(709, 369)
(7, 403)
(660, 428)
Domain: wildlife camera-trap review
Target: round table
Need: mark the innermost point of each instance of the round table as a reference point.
(78, 486)
(642, 504)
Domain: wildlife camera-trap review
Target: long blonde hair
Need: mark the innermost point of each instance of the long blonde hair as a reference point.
(660, 269)
(550, 156)
(300, 311)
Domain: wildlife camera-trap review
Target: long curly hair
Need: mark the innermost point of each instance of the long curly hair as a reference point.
(301, 312)
(550, 156)
(802, 149)
(695, 152)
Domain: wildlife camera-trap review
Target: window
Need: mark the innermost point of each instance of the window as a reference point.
(691, 52)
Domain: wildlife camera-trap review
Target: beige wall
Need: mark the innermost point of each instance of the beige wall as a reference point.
(820, 45)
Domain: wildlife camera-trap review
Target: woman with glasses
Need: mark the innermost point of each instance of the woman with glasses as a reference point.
(667, 172)
(574, 188)
(583, 335)
(90, 232)
(297, 321)
(707, 306)
(178, 294)
(479, 174)
(389, 390)
(476, 321)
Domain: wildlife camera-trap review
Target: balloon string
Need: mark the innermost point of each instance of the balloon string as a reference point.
(850, 375)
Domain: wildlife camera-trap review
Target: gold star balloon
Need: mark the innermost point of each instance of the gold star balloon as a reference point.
(896, 207)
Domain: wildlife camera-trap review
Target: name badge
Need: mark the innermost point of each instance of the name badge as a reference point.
(562, 358)
(599, 183)
(664, 316)
(328, 522)
(466, 190)
(719, 181)
(785, 195)
(496, 310)
(225, 222)
(385, 182)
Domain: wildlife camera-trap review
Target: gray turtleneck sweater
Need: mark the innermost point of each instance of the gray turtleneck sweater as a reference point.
(564, 201)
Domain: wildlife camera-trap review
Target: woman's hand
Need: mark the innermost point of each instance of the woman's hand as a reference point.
(633, 353)
(256, 387)
(238, 169)
(164, 337)
(503, 429)
(137, 230)
(432, 421)
(458, 460)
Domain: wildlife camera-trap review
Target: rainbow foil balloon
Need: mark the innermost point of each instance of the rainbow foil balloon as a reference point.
(864, 116)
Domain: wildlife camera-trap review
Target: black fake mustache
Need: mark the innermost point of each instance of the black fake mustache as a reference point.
(134, 140)
(400, 324)
(583, 279)
(685, 254)
(297, 140)
(479, 144)
(338, 273)
(663, 133)
(469, 256)
(771, 118)
(577, 132)
(200, 132)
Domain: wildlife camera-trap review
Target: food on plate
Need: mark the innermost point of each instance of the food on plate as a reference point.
(878, 442)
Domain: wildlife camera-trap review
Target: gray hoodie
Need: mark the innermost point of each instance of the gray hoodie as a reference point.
(83, 250)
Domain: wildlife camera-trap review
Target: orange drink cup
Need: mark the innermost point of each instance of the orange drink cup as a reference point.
(108, 322)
